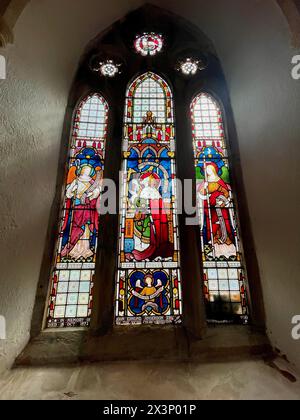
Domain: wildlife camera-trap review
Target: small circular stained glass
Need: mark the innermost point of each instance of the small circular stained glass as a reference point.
(148, 43)
(108, 68)
(189, 67)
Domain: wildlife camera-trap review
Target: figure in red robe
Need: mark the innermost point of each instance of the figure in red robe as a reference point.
(151, 224)
(81, 219)
(217, 222)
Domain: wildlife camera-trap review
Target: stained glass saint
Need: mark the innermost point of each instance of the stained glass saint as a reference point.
(223, 267)
(148, 283)
(71, 289)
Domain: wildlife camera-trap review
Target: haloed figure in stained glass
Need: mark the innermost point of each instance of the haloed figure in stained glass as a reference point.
(151, 226)
(83, 193)
(215, 198)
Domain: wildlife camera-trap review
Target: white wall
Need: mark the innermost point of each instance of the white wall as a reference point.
(252, 40)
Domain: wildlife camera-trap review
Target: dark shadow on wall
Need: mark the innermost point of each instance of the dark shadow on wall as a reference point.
(291, 11)
(10, 11)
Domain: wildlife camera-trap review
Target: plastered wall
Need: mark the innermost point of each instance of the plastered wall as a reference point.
(253, 43)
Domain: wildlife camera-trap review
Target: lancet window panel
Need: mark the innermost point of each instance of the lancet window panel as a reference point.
(148, 282)
(72, 279)
(224, 272)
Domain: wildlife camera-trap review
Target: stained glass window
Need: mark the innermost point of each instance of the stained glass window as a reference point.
(224, 274)
(148, 279)
(72, 280)
(109, 68)
(148, 43)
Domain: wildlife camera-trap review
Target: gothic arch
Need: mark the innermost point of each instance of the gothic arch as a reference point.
(183, 40)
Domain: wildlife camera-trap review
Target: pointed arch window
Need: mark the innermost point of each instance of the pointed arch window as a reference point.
(223, 269)
(72, 279)
(148, 279)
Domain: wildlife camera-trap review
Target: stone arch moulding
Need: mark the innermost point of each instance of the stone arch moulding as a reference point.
(104, 340)
(10, 11)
